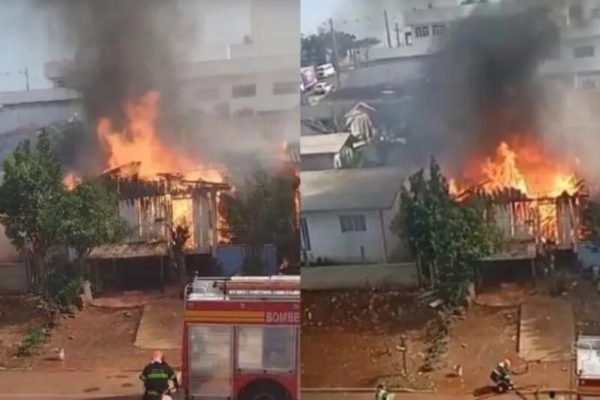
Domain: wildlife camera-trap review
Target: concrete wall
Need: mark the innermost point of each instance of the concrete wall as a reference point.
(14, 117)
(398, 71)
(13, 278)
(359, 276)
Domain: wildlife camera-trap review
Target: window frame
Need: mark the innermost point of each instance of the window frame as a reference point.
(422, 31)
(584, 51)
(353, 223)
(243, 94)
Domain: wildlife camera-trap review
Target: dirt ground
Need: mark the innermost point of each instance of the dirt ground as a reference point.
(19, 315)
(93, 338)
(352, 339)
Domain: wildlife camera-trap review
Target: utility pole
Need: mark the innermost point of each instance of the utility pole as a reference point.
(26, 74)
(387, 29)
(335, 53)
(397, 29)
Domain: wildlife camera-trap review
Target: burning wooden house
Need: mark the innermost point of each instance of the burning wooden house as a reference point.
(529, 223)
(535, 200)
(155, 208)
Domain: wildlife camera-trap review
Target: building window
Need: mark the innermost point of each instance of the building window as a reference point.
(285, 88)
(243, 91)
(422, 31)
(583, 51)
(576, 12)
(353, 223)
(305, 237)
(207, 93)
(245, 112)
(222, 109)
(438, 30)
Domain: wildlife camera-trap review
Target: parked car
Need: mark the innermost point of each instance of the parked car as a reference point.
(322, 88)
(325, 71)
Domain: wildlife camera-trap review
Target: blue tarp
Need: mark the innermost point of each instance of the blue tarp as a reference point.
(588, 255)
(230, 259)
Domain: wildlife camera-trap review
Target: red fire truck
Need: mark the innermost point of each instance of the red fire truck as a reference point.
(587, 367)
(241, 338)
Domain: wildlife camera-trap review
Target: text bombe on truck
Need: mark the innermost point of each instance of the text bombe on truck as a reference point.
(241, 338)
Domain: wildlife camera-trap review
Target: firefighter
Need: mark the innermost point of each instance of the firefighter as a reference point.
(381, 393)
(156, 377)
(501, 376)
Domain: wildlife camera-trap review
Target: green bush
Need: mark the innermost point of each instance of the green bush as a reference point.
(63, 287)
(32, 342)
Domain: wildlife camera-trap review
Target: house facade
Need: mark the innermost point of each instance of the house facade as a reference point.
(347, 214)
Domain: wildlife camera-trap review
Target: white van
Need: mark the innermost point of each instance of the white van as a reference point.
(325, 71)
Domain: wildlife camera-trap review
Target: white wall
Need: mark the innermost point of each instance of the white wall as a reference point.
(36, 114)
(328, 241)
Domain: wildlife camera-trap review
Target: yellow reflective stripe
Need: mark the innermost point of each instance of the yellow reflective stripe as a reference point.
(157, 375)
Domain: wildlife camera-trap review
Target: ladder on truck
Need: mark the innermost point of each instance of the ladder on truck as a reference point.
(263, 288)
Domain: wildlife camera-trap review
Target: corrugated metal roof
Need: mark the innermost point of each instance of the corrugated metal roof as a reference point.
(323, 144)
(129, 250)
(38, 96)
(350, 189)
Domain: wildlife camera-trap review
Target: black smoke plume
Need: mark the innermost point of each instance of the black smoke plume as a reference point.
(483, 86)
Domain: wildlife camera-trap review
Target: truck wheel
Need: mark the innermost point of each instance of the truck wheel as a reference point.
(265, 390)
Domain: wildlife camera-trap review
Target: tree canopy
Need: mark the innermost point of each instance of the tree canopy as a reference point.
(446, 236)
(319, 48)
(264, 212)
(39, 213)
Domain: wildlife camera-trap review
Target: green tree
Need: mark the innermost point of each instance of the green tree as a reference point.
(264, 212)
(318, 48)
(446, 237)
(90, 217)
(31, 189)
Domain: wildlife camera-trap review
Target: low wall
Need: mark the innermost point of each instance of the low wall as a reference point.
(13, 278)
(360, 276)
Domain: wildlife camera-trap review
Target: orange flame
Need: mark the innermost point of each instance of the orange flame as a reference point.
(523, 166)
(71, 181)
(140, 143)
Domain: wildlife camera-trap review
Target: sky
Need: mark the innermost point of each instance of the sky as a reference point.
(23, 44)
(314, 12)
(24, 37)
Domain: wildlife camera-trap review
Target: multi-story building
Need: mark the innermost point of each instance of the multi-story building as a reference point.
(246, 66)
(577, 63)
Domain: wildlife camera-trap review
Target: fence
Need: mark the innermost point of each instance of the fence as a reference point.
(367, 276)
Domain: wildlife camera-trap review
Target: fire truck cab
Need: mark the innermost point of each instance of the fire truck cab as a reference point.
(588, 367)
(241, 338)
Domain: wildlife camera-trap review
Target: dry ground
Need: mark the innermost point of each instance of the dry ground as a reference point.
(351, 339)
(94, 338)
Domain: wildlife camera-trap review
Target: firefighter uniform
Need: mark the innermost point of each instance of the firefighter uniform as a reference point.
(156, 377)
(381, 393)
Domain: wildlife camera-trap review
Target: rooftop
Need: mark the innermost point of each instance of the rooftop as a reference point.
(350, 189)
(323, 144)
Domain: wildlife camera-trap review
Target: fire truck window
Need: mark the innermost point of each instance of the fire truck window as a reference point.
(266, 348)
(210, 360)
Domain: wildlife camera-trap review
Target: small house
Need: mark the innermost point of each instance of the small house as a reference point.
(347, 214)
(323, 152)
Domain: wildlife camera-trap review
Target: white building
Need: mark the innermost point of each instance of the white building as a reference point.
(323, 152)
(244, 61)
(578, 62)
(33, 109)
(346, 214)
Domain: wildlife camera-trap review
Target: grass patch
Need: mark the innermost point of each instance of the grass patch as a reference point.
(32, 342)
